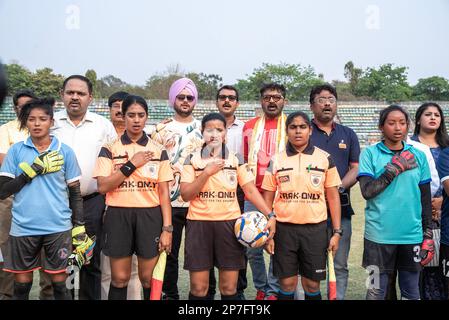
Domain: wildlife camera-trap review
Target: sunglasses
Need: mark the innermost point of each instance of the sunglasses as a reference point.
(223, 97)
(275, 98)
(182, 97)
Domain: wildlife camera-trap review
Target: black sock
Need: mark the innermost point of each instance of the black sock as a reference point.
(312, 295)
(60, 291)
(146, 293)
(22, 290)
(234, 296)
(283, 295)
(192, 297)
(117, 293)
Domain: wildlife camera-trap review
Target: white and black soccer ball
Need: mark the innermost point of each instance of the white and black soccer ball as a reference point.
(249, 229)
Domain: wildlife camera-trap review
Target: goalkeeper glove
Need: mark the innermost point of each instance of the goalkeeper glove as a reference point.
(47, 162)
(83, 247)
(427, 248)
(401, 162)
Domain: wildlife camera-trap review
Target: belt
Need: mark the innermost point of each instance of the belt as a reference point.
(90, 196)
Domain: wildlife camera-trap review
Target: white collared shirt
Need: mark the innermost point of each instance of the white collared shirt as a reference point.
(86, 139)
(234, 137)
(435, 183)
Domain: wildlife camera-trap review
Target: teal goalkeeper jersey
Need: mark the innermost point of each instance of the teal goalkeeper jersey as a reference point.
(394, 215)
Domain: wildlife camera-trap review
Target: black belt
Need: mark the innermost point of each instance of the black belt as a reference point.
(90, 196)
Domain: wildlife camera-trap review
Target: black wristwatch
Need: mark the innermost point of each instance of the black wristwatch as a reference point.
(337, 231)
(271, 215)
(168, 228)
(341, 189)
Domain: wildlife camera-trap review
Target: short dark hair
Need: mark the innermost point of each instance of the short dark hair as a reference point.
(45, 104)
(441, 137)
(294, 115)
(23, 93)
(212, 116)
(117, 96)
(79, 77)
(273, 86)
(228, 87)
(394, 107)
(132, 99)
(321, 87)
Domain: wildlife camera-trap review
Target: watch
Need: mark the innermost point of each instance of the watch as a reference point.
(338, 231)
(341, 189)
(271, 215)
(168, 228)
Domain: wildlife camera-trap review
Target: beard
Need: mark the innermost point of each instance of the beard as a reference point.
(185, 113)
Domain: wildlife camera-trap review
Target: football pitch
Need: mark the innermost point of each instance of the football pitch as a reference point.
(357, 275)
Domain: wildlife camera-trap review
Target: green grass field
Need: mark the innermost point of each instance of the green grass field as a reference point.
(357, 275)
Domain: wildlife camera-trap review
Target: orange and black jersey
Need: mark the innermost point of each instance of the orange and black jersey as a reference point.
(217, 200)
(140, 189)
(300, 180)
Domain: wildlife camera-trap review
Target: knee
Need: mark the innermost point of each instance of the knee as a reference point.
(288, 284)
(311, 286)
(228, 288)
(199, 289)
(120, 279)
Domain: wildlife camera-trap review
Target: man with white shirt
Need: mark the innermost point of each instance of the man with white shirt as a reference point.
(85, 132)
(180, 136)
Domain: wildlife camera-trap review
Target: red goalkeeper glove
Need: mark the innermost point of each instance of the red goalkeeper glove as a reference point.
(427, 248)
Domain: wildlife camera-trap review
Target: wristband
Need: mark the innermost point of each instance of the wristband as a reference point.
(127, 169)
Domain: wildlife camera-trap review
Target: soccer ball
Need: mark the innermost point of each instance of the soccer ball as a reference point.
(249, 229)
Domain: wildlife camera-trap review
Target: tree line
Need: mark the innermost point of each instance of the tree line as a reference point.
(385, 83)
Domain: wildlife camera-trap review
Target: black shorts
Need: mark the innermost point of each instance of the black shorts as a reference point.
(444, 261)
(212, 243)
(300, 249)
(132, 230)
(23, 254)
(389, 257)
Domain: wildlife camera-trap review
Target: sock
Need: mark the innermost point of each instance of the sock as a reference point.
(312, 295)
(284, 295)
(117, 293)
(60, 291)
(22, 290)
(146, 293)
(192, 297)
(234, 296)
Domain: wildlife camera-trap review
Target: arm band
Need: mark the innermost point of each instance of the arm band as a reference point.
(76, 204)
(127, 169)
(10, 186)
(426, 204)
(371, 187)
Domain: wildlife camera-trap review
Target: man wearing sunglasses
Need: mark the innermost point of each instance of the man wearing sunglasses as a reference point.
(262, 137)
(342, 144)
(180, 136)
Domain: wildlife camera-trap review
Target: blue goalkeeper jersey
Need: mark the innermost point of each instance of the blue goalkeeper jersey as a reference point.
(394, 215)
(41, 206)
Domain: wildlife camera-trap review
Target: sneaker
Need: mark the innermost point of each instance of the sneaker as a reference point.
(260, 295)
(271, 297)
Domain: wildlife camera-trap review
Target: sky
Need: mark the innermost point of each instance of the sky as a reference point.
(136, 39)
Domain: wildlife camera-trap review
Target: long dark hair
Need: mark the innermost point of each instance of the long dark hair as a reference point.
(441, 137)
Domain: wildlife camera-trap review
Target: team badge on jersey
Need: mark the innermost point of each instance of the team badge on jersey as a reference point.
(283, 179)
(231, 176)
(316, 179)
(151, 170)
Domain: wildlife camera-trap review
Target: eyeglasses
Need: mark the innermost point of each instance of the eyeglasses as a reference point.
(182, 97)
(223, 97)
(275, 98)
(322, 100)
